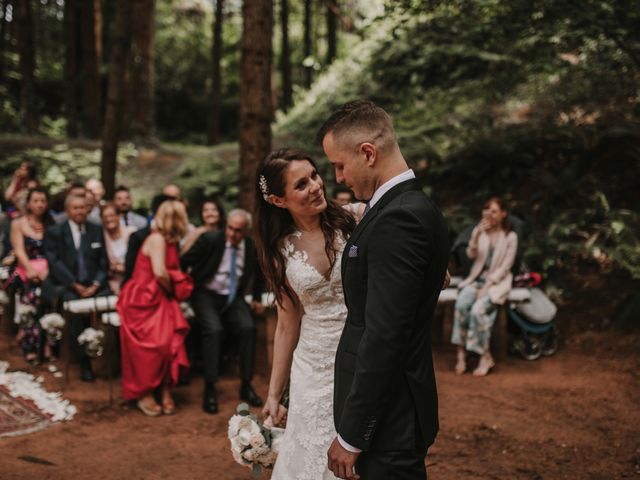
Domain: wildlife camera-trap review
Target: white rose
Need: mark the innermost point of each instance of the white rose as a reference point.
(256, 440)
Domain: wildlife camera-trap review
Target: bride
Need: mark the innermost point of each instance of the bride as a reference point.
(300, 237)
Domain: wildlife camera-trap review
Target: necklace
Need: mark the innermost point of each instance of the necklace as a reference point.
(36, 226)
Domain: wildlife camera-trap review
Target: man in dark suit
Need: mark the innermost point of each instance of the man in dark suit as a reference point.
(78, 266)
(223, 264)
(393, 267)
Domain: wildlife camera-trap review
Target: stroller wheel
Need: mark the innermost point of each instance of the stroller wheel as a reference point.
(527, 347)
(550, 342)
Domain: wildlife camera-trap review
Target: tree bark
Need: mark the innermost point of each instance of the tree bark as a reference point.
(26, 51)
(143, 68)
(332, 30)
(256, 109)
(72, 41)
(285, 57)
(213, 136)
(307, 46)
(3, 34)
(91, 27)
(111, 132)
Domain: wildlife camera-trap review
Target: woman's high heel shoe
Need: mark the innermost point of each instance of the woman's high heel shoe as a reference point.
(485, 366)
(148, 411)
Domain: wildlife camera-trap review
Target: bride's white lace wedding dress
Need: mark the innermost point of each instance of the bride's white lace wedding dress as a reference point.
(310, 428)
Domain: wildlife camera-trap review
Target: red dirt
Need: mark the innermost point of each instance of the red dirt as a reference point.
(574, 416)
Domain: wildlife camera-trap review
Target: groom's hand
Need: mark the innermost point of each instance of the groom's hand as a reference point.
(341, 461)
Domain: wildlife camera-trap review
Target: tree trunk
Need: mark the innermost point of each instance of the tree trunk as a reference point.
(143, 68)
(3, 34)
(213, 136)
(91, 26)
(111, 132)
(72, 41)
(332, 30)
(285, 57)
(255, 94)
(308, 70)
(26, 50)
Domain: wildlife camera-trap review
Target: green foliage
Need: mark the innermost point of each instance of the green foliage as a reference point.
(535, 101)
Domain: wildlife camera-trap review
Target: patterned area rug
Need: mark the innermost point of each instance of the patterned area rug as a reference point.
(18, 416)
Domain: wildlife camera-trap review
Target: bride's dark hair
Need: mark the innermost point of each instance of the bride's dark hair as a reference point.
(274, 224)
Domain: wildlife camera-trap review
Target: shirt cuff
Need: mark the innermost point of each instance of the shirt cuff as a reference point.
(347, 447)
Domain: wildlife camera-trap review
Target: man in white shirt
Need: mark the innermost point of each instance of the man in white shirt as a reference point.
(123, 202)
(223, 264)
(78, 265)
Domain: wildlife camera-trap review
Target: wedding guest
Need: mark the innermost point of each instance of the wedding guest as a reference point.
(492, 247)
(123, 202)
(78, 266)
(75, 189)
(96, 188)
(343, 195)
(93, 209)
(25, 173)
(116, 239)
(27, 236)
(223, 265)
(212, 219)
(152, 327)
(172, 190)
(137, 238)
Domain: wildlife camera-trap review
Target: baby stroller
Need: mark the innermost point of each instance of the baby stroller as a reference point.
(534, 332)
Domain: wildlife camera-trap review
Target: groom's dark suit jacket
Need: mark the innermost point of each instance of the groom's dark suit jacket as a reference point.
(393, 268)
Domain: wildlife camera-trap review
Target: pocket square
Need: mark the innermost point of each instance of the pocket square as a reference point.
(96, 244)
(353, 251)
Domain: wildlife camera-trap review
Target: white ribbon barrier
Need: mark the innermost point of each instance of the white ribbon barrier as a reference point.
(111, 318)
(4, 273)
(91, 304)
(516, 295)
(268, 299)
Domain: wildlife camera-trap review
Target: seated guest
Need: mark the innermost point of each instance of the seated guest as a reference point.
(31, 270)
(23, 179)
(75, 189)
(93, 209)
(211, 219)
(78, 266)
(492, 247)
(116, 239)
(137, 238)
(123, 201)
(153, 329)
(97, 191)
(343, 195)
(223, 264)
(172, 190)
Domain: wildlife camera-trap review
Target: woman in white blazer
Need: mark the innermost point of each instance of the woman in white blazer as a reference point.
(492, 247)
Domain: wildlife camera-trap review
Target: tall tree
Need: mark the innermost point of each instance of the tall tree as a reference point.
(115, 94)
(256, 110)
(91, 26)
(213, 136)
(307, 45)
(3, 34)
(285, 57)
(72, 42)
(332, 30)
(143, 69)
(27, 53)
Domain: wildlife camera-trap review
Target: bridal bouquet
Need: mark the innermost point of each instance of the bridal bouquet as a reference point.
(92, 341)
(52, 323)
(253, 444)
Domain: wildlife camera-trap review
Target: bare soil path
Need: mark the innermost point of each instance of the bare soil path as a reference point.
(575, 415)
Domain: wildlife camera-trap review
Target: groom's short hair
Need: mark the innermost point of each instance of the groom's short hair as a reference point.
(357, 122)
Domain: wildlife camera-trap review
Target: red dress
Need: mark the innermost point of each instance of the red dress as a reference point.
(152, 329)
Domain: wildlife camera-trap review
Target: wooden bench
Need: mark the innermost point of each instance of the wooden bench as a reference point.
(499, 339)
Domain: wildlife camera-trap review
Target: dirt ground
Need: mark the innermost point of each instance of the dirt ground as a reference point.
(574, 416)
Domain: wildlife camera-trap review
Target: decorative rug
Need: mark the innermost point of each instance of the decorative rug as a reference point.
(18, 417)
(25, 406)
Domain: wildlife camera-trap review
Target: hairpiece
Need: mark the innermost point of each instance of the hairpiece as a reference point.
(262, 182)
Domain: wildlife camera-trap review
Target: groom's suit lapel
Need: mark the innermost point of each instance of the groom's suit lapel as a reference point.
(371, 214)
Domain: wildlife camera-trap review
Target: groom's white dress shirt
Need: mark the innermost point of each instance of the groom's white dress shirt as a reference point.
(377, 195)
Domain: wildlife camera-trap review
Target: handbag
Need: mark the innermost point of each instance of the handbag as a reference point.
(38, 264)
(182, 284)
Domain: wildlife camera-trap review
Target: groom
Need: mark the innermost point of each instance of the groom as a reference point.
(393, 267)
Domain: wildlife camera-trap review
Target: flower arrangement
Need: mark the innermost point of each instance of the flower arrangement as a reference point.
(52, 323)
(253, 444)
(92, 341)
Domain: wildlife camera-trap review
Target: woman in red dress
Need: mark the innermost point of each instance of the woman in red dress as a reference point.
(153, 329)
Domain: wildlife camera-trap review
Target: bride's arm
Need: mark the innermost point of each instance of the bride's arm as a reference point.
(284, 343)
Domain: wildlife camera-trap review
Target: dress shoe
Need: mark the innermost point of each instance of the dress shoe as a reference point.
(150, 412)
(249, 395)
(210, 401)
(86, 373)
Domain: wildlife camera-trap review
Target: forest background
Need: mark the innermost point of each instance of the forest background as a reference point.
(537, 101)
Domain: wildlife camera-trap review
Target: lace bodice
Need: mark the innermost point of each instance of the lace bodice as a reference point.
(310, 428)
